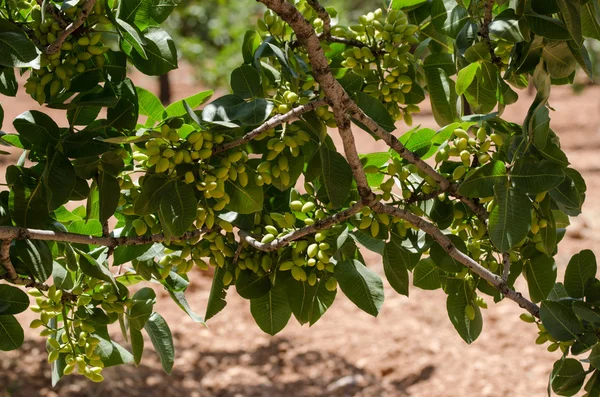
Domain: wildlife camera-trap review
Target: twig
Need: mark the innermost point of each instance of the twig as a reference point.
(505, 266)
(9, 233)
(51, 8)
(272, 123)
(73, 26)
(493, 279)
(305, 231)
(411, 157)
(484, 30)
(323, 14)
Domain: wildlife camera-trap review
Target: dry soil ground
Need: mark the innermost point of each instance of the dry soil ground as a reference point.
(411, 349)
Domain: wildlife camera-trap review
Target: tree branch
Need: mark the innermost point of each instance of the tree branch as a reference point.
(398, 147)
(305, 231)
(8, 233)
(323, 14)
(51, 8)
(493, 279)
(505, 266)
(11, 273)
(271, 123)
(73, 26)
(484, 31)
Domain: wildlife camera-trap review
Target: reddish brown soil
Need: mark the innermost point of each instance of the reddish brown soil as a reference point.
(411, 349)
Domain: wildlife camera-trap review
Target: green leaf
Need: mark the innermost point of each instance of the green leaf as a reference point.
(506, 27)
(337, 176)
(309, 303)
(507, 225)
(546, 26)
(559, 320)
(395, 260)
(539, 127)
(137, 345)
(27, 203)
(252, 41)
(160, 51)
(590, 19)
(141, 308)
(581, 268)
(272, 311)
(178, 208)
(13, 300)
(442, 93)
(16, 48)
(110, 352)
(124, 114)
(254, 112)
(91, 267)
(179, 298)
(481, 181)
(244, 200)
(571, 13)
(448, 17)
(216, 298)
(162, 340)
(148, 201)
(36, 129)
(466, 77)
(132, 36)
(559, 60)
(586, 313)
(373, 108)
(8, 85)
(246, 82)
(146, 12)
(534, 177)
(35, 255)
(540, 272)
(249, 285)
(109, 194)
(468, 330)
(11, 333)
(444, 261)
(400, 4)
(361, 285)
(177, 109)
(426, 275)
(569, 376)
(59, 178)
(149, 104)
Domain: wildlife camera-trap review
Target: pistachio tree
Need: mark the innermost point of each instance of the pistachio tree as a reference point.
(126, 192)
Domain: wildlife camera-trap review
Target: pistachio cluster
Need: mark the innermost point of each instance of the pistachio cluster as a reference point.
(385, 62)
(80, 51)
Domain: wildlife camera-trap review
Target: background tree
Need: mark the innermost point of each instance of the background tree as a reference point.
(219, 187)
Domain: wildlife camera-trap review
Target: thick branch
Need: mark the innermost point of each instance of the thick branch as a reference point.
(343, 123)
(8, 233)
(493, 279)
(73, 26)
(305, 231)
(335, 93)
(271, 123)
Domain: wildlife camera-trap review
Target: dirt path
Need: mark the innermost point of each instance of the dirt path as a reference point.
(410, 350)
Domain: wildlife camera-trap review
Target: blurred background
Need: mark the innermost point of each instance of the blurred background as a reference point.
(411, 349)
